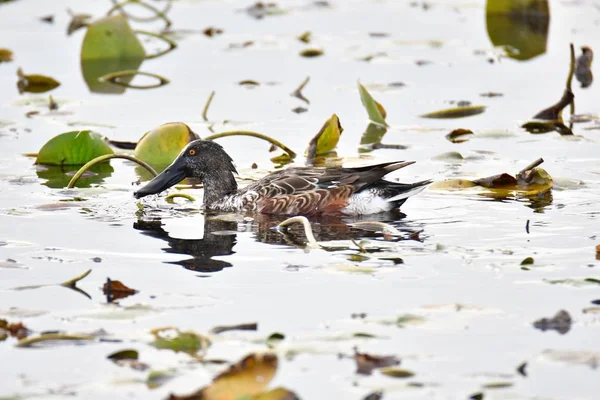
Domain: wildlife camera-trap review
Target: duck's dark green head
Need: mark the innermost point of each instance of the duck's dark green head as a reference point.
(201, 159)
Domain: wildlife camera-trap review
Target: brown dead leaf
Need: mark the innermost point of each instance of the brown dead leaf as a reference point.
(248, 377)
(366, 363)
(115, 290)
(16, 330)
(6, 55)
(496, 181)
(211, 31)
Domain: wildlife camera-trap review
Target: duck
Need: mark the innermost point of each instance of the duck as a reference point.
(292, 191)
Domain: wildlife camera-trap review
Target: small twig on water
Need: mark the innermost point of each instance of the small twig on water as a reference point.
(531, 166)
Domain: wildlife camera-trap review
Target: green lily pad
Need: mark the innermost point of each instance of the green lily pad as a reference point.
(73, 148)
(327, 138)
(160, 146)
(185, 342)
(110, 45)
(375, 110)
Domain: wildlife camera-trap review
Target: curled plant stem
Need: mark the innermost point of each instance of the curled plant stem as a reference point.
(72, 282)
(172, 44)
(386, 229)
(113, 78)
(170, 197)
(312, 242)
(27, 342)
(205, 110)
(157, 13)
(105, 157)
(531, 166)
(253, 134)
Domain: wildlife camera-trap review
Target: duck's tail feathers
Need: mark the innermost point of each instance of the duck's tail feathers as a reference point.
(407, 190)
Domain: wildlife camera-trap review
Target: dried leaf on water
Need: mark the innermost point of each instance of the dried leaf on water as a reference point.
(261, 9)
(276, 394)
(248, 377)
(366, 363)
(397, 372)
(458, 135)
(305, 37)
(561, 322)
(212, 31)
(326, 139)
(160, 146)
(35, 83)
(378, 395)
(15, 329)
(77, 22)
(240, 327)
(6, 55)
(186, 342)
(375, 110)
(457, 112)
(311, 53)
(128, 358)
(73, 148)
(114, 290)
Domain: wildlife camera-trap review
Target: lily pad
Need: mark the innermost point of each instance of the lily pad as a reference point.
(456, 112)
(160, 146)
(5, 55)
(73, 148)
(311, 53)
(35, 83)
(326, 139)
(185, 342)
(109, 45)
(375, 110)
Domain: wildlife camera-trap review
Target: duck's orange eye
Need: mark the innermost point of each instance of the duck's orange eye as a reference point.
(192, 152)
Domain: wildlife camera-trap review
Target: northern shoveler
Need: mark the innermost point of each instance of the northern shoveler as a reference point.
(292, 191)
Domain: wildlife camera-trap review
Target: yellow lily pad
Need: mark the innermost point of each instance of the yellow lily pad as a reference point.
(326, 139)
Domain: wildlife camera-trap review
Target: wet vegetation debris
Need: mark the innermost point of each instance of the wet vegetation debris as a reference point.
(13, 329)
(169, 338)
(35, 83)
(252, 326)
(456, 112)
(366, 363)
(115, 290)
(560, 322)
(311, 53)
(458, 135)
(6, 55)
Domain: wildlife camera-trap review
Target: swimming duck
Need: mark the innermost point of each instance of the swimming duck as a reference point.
(292, 191)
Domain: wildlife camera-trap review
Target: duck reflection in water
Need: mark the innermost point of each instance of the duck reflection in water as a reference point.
(218, 234)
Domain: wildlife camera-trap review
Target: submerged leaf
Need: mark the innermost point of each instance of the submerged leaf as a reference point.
(73, 148)
(457, 112)
(35, 83)
(375, 110)
(160, 146)
(185, 342)
(249, 377)
(326, 139)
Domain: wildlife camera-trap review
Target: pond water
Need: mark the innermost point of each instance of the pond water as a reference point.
(458, 310)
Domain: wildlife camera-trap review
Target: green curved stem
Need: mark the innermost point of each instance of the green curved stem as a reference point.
(157, 13)
(52, 336)
(172, 44)
(205, 110)
(184, 195)
(253, 134)
(312, 242)
(106, 157)
(113, 78)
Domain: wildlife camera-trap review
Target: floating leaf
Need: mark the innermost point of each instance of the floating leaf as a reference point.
(35, 83)
(109, 46)
(78, 21)
(527, 261)
(326, 139)
(160, 146)
(311, 53)
(185, 342)
(366, 363)
(211, 31)
(497, 385)
(240, 327)
(561, 322)
(397, 372)
(305, 37)
(458, 135)
(275, 338)
(375, 110)
(114, 290)
(496, 181)
(521, 26)
(128, 354)
(6, 55)
(457, 112)
(73, 148)
(276, 394)
(245, 379)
